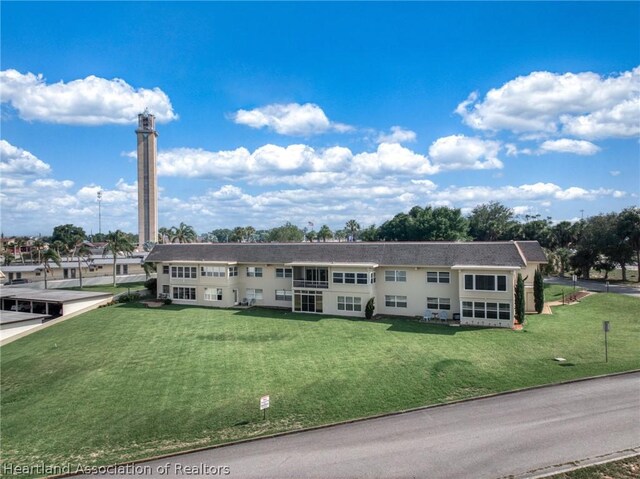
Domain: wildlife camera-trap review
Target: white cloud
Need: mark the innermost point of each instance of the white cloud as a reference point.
(565, 145)
(585, 105)
(397, 135)
(458, 152)
(15, 161)
(87, 101)
(393, 158)
(615, 173)
(290, 119)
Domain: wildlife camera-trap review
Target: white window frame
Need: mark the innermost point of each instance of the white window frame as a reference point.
(213, 271)
(213, 294)
(254, 271)
(438, 303)
(186, 291)
(395, 276)
(395, 301)
(495, 282)
(184, 272)
(349, 303)
(284, 272)
(284, 295)
(254, 293)
(502, 310)
(233, 271)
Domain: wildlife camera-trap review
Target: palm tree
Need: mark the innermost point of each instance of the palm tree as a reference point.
(163, 233)
(339, 235)
(311, 235)
(39, 246)
(48, 256)
(324, 233)
(183, 234)
(82, 251)
(18, 244)
(117, 242)
(249, 231)
(353, 227)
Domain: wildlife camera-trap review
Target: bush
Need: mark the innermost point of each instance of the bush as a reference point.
(127, 298)
(369, 309)
(168, 301)
(538, 292)
(152, 285)
(519, 300)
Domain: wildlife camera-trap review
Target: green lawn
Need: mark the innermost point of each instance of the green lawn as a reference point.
(125, 382)
(623, 469)
(554, 292)
(109, 288)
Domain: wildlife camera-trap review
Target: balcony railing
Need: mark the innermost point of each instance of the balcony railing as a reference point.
(303, 283)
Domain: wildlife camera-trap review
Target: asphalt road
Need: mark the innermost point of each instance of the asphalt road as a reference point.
(523, 434)
(597, 286)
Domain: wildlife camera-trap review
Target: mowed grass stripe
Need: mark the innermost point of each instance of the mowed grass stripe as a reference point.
(126, 382)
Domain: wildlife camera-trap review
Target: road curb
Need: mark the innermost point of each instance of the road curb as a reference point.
(350, 421)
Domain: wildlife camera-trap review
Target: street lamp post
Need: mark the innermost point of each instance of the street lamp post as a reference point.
(100, 213)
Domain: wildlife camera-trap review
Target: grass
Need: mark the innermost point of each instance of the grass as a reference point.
(628, 468)
(126, 382)
(554, 292)
(109, 288)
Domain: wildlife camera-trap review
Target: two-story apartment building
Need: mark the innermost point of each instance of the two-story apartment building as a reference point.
(472, 280)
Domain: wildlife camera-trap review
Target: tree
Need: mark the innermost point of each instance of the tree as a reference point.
(538, 292)
(183, 234)
(67, 233)
(163, 235)
(534, 228)
(352, 227)
(48, 256)
(628, 228)
(369, 309)
(519, 300)
(324, 233)
(426, 224)
(18, 244)
(491, 222)
(38, 245)
(311, 235)
(81, 251)
(370, 233)
(287, 233)
(339, 235)
(117, 243)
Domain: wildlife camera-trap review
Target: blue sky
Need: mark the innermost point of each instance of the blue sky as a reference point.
(317, 112)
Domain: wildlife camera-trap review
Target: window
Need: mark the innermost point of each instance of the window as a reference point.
(467, 309)
(437, 277)
(184, 272)
(165, 269)
(213, 271)
(485, 282)
(284, 273)
(120, 269)
(184, 293)
(165, 289)
(254, 272)
(395, 276)
(373, 278)
(283, 295)
(233, 271)
(213, 294)
(392, 301)
(438, 303)
(308, 301)
(482, 310)
(349, 303)
(350, 278)
(254, 294)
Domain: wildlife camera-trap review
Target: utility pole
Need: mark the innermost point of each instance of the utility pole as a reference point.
(100, 212)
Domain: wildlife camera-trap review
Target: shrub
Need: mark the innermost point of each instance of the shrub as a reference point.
(369, 309)
(168, 301)
(538, 292)
(519, 300)
(152, 285)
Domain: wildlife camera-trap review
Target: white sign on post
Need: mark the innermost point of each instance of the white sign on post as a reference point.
(264, 402)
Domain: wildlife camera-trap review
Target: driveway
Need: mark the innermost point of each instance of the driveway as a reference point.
(597, 286)
(523, 434)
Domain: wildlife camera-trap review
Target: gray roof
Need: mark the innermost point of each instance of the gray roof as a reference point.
(445, 254)
(9, 317)
(52, 295)
(532, 251)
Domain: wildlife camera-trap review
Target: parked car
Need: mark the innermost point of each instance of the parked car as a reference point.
(17, 281)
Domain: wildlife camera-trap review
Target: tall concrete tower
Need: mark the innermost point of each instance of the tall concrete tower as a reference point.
(147, 179)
